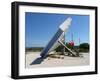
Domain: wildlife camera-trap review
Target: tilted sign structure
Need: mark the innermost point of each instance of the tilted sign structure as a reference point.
(58, 39)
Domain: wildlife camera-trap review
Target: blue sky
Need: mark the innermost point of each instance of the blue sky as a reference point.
(40, 27)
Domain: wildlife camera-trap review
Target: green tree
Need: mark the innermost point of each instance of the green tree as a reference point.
(84, 47)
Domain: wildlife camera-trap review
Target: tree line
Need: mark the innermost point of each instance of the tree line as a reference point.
(83, 47)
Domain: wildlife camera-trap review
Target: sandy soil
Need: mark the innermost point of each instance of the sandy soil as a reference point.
(31, 61)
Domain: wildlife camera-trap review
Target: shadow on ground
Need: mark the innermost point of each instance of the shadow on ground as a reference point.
(37, 61)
